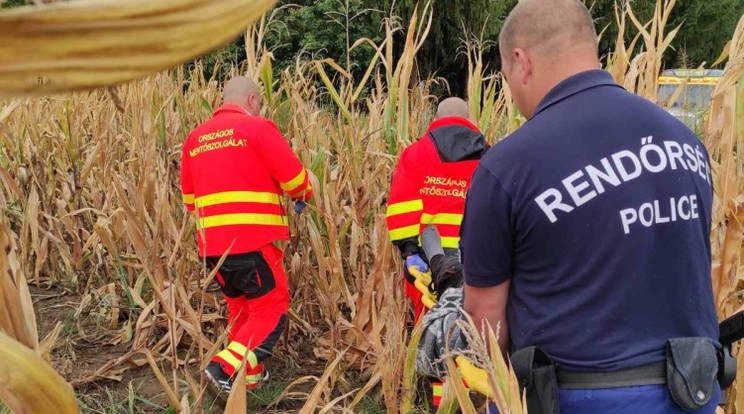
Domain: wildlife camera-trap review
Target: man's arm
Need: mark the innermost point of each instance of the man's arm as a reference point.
(187, 183)
(282, 163)
(487, 306)
(486, 244)
(405, 206)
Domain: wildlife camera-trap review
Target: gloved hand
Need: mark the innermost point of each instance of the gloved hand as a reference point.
(416, 260)
(476, 378)
(299, 206)
(418, 268)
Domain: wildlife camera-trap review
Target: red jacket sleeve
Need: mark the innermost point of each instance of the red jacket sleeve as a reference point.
(405, 205)
(282, 163)
(187, 183)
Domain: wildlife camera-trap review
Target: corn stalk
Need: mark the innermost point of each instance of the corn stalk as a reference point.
(24, 370)
(725, 139)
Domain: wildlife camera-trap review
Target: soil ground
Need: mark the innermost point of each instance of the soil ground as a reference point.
(79, 352)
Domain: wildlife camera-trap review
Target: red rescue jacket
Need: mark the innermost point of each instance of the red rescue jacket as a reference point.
(234, 171)
(430, 182)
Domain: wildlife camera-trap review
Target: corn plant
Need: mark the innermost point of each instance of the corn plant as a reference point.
(91, 201)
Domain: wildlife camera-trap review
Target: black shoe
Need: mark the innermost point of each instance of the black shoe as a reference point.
(218, 378)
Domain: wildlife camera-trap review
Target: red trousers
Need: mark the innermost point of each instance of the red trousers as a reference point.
(256, 323)
(415, 295)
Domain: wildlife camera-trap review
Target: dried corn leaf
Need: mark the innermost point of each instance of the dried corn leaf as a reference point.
(163, 382)
(48, 344)
(87, 44)
(236, 402)
(17, 316)
(25, 374)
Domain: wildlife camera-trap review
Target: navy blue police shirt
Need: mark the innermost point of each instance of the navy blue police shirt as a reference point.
(598, 211)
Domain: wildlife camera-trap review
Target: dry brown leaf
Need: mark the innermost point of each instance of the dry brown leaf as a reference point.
(24, 374)
(236, 402)
(70, 46)
(163, 382)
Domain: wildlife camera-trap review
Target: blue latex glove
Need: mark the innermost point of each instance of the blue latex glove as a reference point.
(299, 206)
(416, 260)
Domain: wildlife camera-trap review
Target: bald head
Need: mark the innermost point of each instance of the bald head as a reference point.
(542, 43)
(242, 91)
(453, 107)
(549, 27)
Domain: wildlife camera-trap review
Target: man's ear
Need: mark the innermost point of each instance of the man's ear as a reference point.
(256, 102)
(525, 66)
(249, 104)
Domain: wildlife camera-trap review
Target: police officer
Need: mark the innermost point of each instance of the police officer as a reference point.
(586, 232)
(235, 169)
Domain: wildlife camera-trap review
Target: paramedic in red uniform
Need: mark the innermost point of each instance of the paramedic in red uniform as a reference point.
(429, 186)
(235, 168)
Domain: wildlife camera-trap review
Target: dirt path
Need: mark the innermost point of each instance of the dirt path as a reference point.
(81, 350)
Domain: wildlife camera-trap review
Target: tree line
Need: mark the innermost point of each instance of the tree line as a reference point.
(325, 29)
(319, 29)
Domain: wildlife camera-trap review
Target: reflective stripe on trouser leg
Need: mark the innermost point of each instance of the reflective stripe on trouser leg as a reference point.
(437, 389)
(232, 357)
(254, 377)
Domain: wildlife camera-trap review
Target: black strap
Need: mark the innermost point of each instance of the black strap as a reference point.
(652, 374)
(536, 373)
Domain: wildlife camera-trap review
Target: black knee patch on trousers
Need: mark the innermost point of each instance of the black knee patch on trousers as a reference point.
(245, 274)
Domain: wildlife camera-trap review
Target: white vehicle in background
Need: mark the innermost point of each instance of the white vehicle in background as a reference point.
(692, 102)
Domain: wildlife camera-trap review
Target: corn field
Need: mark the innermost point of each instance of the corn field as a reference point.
(93, 221)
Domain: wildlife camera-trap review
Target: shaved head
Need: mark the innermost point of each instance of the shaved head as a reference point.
(242, 91)
(543, 43)
(453, 107)
(548, 27)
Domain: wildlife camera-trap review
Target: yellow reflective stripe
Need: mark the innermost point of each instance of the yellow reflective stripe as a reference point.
(188, 199)
(668, 80)
(295, 182)
(241, 350)
(405, 232)
(450, 242)
(230, 359)
(242, 218)
(704, 81)
(238, 348)
(437, 390)
(237, 197)
(303, 192)
(252, 379)
(442, 218)
(404, 207)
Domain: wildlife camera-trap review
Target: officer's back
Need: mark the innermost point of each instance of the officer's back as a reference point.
(586, 232)
(612, 226)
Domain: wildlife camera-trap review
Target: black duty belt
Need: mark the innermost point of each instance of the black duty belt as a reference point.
(652, 374)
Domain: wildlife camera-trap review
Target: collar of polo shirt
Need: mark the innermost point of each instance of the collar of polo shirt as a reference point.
(573, 85)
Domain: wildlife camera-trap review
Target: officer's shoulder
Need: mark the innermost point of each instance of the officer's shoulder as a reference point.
(654, 114)
(513, 146)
